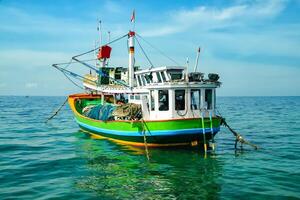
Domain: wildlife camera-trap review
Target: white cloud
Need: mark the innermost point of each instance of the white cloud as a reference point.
(208, 18)
(31, 85)
(30, 59)
(21, 21)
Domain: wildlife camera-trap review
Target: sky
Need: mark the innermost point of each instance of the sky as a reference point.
(253, 45)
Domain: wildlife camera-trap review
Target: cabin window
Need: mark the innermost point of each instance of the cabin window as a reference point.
(163, 100)
(158, 77)
(175, 74)
(139, 80)
(208, 98)
(131, 97)
(137, 97)
(120, 98)
(118, 74)
(148, 78)
(152, 100)
(195, 99)
(163, 76)
(179, 99)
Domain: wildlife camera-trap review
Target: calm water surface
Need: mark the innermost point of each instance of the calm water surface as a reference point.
(57, 161)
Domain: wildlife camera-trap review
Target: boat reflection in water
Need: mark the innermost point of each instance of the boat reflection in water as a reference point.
(123, 172)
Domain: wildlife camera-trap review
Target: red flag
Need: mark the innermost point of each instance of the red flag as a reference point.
(132, 16)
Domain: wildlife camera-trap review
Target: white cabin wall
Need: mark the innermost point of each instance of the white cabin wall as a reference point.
(172, 103)
(188, 112)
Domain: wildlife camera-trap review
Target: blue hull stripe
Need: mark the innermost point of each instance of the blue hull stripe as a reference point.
(152, 133)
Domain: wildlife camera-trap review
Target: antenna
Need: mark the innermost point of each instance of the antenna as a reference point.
(95, 53)
(197, 58)
(99, 28)
(187, 69)
(108, 32)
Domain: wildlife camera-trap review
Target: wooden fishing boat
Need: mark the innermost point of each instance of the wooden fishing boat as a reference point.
(158, 106)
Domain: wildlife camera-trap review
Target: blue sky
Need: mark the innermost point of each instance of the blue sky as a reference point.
(253, 45)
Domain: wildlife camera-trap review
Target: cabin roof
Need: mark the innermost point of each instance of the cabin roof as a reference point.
(163, 68)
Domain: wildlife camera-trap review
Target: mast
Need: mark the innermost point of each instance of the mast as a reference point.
(131, 36)
(197, 59)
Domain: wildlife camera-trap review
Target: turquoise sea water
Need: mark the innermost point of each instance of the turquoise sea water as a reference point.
(57, 161)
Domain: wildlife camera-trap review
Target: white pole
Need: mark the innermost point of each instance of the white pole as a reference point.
(187, 69)
(95, 54)
(197, 58)
(100, 29)
(108, 36)
(131, 58)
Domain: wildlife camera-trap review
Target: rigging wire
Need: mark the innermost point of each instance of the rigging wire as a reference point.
(72, 81)
(100, 46)
(171, 59)
(71, 61)
(144, 53)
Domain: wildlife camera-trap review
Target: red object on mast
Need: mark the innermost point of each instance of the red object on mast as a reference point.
(104, 52)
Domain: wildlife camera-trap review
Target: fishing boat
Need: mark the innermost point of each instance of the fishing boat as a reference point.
(158, 106)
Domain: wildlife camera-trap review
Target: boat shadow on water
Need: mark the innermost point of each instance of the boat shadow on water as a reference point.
(117, 171)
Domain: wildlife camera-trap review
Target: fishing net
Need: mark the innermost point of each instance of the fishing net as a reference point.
(100, 112)
(130, 111)
(111, 112)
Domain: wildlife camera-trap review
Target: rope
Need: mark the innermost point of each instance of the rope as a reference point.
(238, 137)
(157, 49)
(144, 53)
(145, 139)
(212, 130)
(203, 131)
(57, 111)
(72, 81)
(71, 61)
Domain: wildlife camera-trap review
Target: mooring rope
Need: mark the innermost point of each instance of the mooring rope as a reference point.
(145, 139)
(57, 111)
(238, 137)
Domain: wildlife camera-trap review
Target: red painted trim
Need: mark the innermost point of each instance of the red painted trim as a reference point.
(131, 33)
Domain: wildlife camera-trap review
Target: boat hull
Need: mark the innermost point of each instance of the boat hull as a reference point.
(175, 132)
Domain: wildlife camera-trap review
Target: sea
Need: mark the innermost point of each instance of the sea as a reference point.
(55, 160)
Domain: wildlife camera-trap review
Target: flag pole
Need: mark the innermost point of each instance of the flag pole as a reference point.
(133, 19)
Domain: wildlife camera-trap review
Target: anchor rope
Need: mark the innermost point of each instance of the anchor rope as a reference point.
(57, 111)
(145, 139)
(238, 137)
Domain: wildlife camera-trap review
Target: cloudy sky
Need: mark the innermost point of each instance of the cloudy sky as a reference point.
(253, 45)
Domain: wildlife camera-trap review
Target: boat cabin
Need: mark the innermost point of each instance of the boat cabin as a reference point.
(173, 94)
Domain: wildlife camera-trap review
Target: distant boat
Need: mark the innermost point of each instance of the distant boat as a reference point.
(159, 106)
